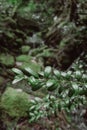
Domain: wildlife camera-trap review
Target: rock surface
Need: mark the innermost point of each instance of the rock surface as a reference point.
(15, 102)
(7, 60)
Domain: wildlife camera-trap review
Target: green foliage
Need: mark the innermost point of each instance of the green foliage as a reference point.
(43, 108)
(15, 2)
(20, 76)
(27, 9)
(32, 6)
(66, 90)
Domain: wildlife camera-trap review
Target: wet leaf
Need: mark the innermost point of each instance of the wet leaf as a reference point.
(29, 70)
(47, 71)
(17, 71)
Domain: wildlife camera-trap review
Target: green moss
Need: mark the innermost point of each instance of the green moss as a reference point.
(28, 62)
(23, 58)
(34, 66)
(7, 60)
(25, 49)
(15, 102)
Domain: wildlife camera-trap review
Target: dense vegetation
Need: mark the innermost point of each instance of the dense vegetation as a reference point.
(43, 65)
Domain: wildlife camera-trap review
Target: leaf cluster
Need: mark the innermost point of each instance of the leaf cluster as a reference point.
(66, 90)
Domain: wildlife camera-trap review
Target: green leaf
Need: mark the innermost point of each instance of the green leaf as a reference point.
(75, 86)
(37, 99)
(31, 114)
(32, 81)
(35, 112)
(35, 83)
(32, 108)
(51, 85)
(36, 87)
(47, 71)
(17, 79)
(17, 71)
(41, 73)
(50, 82)
(33, 102)
(78, 74)
(64, 74)
(38, 116)
(57, 73)
(32, 119)
(29, 70)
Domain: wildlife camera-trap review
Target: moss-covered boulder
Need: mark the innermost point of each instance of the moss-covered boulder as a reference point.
(23, 58)
(34, 66)
(15, 102)
(7, 60)
(25, 49)
(25, 61)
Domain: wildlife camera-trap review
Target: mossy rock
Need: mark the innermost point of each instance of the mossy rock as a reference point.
(25, 49)
(27, 61)
(15, 102)
(23, 58)
(34, 66)
(7, 60)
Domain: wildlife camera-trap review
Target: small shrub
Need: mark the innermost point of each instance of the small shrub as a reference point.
(66, 90)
